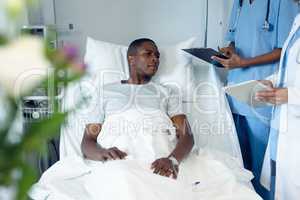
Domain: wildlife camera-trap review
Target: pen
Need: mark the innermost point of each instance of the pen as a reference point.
(197, 182)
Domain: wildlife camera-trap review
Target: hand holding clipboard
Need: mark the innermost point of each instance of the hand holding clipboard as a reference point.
(207, 54)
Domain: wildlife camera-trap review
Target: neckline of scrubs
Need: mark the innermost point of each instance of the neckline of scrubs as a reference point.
(249, 3)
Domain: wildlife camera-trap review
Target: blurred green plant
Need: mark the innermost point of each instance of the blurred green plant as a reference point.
(3, 40)
(15, 171)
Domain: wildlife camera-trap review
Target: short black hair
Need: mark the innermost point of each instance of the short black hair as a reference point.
(134, 45)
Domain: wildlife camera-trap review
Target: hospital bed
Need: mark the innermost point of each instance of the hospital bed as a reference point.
(203, 98)
(104, 48)
(204, 103)
(102, 36)
(173, 26)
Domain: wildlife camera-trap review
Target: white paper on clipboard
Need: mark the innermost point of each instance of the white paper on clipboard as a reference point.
(245, 92)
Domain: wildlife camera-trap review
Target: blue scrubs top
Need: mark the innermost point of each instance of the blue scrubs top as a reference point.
(251, 40)
(276, 114)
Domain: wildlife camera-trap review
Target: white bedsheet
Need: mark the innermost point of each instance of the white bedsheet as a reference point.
(131, 179)
(207, 110)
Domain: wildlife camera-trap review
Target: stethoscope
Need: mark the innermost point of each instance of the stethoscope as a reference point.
(267, 26)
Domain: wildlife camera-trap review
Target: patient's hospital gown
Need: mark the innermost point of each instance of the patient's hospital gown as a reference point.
(136, 119)
(117, 97)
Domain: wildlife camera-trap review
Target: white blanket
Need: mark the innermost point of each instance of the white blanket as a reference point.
(208, 113)
(144, 138)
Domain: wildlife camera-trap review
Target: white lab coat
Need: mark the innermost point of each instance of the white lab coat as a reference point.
(288, 152)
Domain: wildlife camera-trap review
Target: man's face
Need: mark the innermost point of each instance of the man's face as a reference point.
(146, 60)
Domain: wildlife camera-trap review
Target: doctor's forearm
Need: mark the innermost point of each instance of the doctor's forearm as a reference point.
(271, 57)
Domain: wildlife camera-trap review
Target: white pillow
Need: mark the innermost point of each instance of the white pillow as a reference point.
(108, 62)
(175, 69)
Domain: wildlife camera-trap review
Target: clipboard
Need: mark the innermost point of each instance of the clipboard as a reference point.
(206, 54)
(245, 92)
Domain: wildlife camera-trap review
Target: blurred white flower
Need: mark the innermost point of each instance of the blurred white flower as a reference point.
(22, 65)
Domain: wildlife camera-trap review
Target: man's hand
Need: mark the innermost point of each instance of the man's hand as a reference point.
(110, 154)
(164, 167)
(276, 96)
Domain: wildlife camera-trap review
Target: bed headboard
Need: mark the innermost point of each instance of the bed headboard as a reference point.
(121, 21)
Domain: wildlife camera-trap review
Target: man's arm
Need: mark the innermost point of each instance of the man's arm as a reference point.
(89, 146)
(93, 151)
(165, 166)
(185, 137)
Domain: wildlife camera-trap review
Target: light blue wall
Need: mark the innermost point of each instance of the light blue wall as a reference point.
(5, 26)
(121, 21)
(2, 16)
(219, 11)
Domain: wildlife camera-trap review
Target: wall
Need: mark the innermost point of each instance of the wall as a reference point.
(2, 16)
(121, 21)
(4, 24)
(218, 16)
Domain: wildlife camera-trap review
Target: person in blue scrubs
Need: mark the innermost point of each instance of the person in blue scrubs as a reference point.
(257, 31)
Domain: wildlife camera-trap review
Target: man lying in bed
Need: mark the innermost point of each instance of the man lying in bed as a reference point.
(143, 59)
(142, 137)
